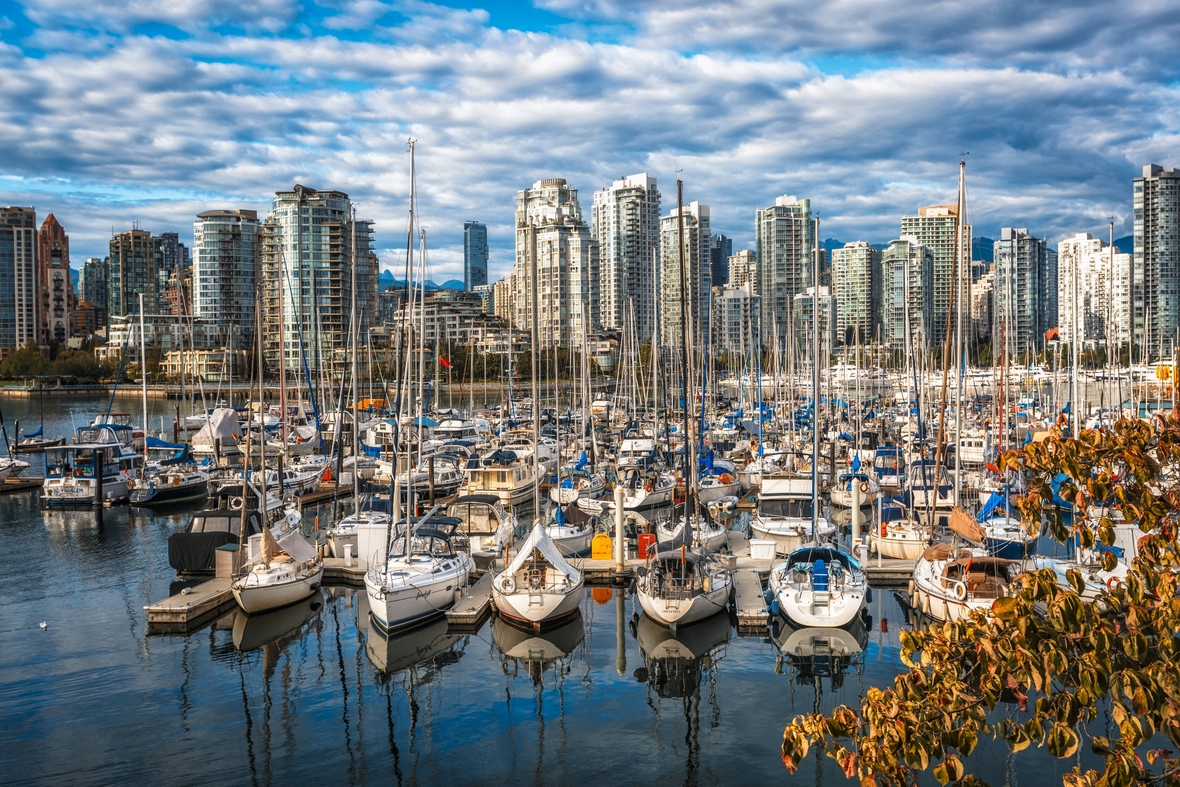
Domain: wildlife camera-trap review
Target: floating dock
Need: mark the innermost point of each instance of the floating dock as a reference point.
(475, 605)
(190, 608)
(20, 484)
(889, 573)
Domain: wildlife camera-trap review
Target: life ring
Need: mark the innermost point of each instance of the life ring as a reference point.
(648, 486)
(236, 503)
(864, 488)
(960, 590)
(1112, 582)
(508, 585)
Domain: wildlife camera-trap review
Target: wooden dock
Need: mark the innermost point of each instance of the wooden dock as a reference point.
(191, 608)
(337, 573)
(20, 484)
(469, 612)
(327, 490)
(890, 574)
(749, 603)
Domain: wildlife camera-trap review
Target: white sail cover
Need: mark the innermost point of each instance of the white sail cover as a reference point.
(540, 540)
(222, 423)
(295, 545)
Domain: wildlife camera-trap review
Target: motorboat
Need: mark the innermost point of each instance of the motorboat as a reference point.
(422, 575)
(172, 479)
(715, 487)
(539, 587)
(818, 587)
(194, 551)
(681, 586)
(785, 514)
(93, 470)
(511, 478)
(639, 453)
(949, 583)
(889, 466)
(484, 520)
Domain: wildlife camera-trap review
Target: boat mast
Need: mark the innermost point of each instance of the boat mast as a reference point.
(946, 352)
(143, 379)
(690, 468)
(963, 282)
(814, 390)
(355, 391)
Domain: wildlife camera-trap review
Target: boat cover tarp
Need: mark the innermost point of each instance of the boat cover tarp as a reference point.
(37, 433)
(223, 425)
(996, 502)
(295, 545)
(538, 539)
(195, 553)
(181, 457)
(155, 442)
(963, 524)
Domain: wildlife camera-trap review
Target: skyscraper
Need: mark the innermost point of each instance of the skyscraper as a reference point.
(92, 288)
(936, 228)
(907, 281)
(307, 252)
(133, 267)
(784, 238)
(56, 304)
(553, 238)
(697, 273)
(625, 220)
(225, 268)
(1025, 289)
(475, 255)
(18, 278)
(743, 270)
(1156, 294)
(1093, 285)
(856, 281)
(720, 250)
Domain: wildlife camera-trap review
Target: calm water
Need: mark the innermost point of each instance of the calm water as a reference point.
(311, 694)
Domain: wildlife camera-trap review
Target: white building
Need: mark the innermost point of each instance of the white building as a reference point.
(784, 236)
(1093, 291)
(625, 220)
(907, 280)
(856, 281)
(554, 242)
(937, 228)
(225, 270)
(743, 269)
(1026, 289)
(698, 273)
(735, 318)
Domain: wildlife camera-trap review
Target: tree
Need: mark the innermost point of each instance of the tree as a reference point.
(25, 362)
(1061, 659)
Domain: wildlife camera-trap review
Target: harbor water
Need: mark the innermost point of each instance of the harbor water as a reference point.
(313, 694)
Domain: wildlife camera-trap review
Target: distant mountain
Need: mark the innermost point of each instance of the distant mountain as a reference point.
(1125, 245)
(387, 280)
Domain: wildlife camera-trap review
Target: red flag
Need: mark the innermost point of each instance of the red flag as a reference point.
(446, 364)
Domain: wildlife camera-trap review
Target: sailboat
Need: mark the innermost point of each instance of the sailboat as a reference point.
(539, 587)
(289, 571)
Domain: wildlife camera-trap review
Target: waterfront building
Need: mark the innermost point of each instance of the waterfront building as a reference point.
(166, 332)
(1025, 289)
(856, 282)
(487, 292)
(449, 317)
(735, 319)
(1093, 288)
(502, 302)
(178, 292)
(743, 270)
(220, 365)
(907, 281)
(936, 227)
(983, 291)
(92, 288)
(307, 251)
(133, 267)
(56, 302)
(226, 255)
(801, 312)
(697, 273)
(784, 239)
(554, 241)
(87, 320)
(625, 220)
(720, 250)
(1156, 280)
(18, 278)
(475, 255)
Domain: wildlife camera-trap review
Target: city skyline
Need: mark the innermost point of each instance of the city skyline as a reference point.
(117, 115)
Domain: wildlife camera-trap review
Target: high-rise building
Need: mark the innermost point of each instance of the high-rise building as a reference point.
(856, 282)
(307, 255)
(936, 227)
(226, 254)
(784, 236)
(1025, 289)
(502, 298)
(735, 318)
(92, 289)
(1156, 292)
(983, 295)
(697, 273)
(907, 282)
(801, 312)
(133, 267)
(554, 242)
(57, 288)
(1093, 288)
(743, 270)
(18, 278)
(475, 255)
(486, 292)
(720, 250)
(625, 220)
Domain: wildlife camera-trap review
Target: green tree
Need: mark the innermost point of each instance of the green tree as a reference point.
(1064, 660)
(25, 362)
(78, 364)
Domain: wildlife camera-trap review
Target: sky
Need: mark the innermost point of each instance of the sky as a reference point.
(114, 112)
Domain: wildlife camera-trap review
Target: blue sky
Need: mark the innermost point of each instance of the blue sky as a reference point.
(117, 111)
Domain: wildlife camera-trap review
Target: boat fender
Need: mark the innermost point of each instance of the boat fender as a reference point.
(910, 588)
(774, 607)
(508, 585)
(869, 595)
(960, 590)
(768, 595)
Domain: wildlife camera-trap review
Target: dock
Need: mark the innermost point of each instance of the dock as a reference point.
(891, 574)
(190, 608)
(475, 605)
(749, 603)
(20, 484)
(326, 491)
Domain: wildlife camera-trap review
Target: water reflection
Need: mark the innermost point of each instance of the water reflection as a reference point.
(815, 653)
(536, 653)
(675, 663)
(273, 631)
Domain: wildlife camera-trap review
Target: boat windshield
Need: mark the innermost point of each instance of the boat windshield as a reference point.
(787, 508)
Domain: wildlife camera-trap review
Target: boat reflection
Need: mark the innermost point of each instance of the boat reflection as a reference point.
(274, 630)
(431, 644)
(536, 653)
(815, 653)
(674, 663)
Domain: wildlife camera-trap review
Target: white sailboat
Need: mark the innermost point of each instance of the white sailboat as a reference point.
(289, 571)
(819, 587)
(539, 587)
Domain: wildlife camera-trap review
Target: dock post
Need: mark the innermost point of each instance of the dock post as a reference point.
(620, 633)
(99, 460)
(618, 528)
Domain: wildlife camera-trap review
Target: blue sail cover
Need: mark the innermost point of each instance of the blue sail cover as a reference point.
(155, 442)
(997, 502)
(34, 434)
(583, 460)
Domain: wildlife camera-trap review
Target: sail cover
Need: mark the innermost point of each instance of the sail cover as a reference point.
(223, 424)
(540, 540)
(295, 545)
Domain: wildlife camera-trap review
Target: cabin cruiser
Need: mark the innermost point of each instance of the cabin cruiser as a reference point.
(73, 474)
(819, 587)
(638, 452)
(681, 586)
(436, 476)
(484, 519)
(503, 473)
(927, 494)
(539, 588)
(950, 583)
(421, 577)
(785, 514)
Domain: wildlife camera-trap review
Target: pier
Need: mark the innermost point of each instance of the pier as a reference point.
(20, 484)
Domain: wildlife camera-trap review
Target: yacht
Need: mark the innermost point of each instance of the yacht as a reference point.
(511, 478)
(172, 479)
(785, 516)
(288, 571)
(681, 586)
(74, 477)
(484, 520)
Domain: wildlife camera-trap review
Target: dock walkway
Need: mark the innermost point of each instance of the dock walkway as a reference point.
(474, 606)
(190, 608)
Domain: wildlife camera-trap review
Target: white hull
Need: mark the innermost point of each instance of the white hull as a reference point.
(535, 609)
(260, 598)
(399, 601)
(674, 612)
(715, 492)
(653, 499)
(80, 491)
(789, 534)
(571, 541)
(900, 542)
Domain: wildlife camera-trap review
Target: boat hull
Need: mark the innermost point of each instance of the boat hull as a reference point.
(261, 598)
(675, 612)
(396, 608)
(538, 610)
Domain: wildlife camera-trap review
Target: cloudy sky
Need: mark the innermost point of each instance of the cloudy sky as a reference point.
(121, 111)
